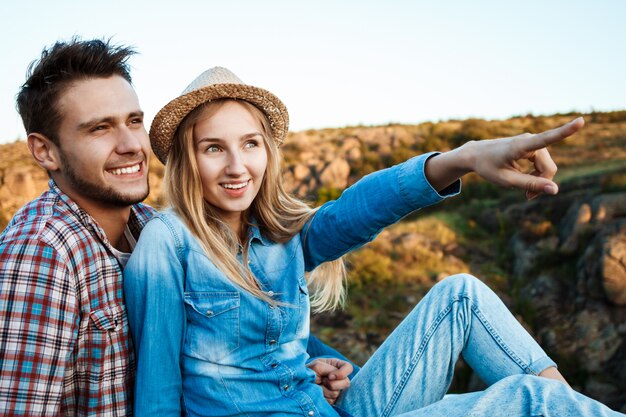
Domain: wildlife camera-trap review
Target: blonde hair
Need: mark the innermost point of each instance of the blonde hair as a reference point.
(279, 215)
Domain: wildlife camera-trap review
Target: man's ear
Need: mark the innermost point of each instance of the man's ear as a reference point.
(45, 152)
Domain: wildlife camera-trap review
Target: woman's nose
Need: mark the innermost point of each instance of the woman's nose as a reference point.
(235, 165)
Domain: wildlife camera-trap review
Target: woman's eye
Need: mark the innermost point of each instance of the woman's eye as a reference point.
(251, 144)
(212, 148)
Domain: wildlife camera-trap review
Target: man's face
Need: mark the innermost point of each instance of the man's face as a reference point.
(103, 144)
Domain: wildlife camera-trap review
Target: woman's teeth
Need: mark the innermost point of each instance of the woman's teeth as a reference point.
(235, 186)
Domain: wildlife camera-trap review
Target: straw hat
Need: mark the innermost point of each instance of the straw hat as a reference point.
(215, 83)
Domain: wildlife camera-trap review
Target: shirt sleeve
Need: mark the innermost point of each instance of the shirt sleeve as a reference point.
(318, 349)
(364, 209)
(153, 288)
(38, 327)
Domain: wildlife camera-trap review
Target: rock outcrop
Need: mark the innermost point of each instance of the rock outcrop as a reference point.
(573, 286)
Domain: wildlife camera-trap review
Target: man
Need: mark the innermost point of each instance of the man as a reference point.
(65, 347)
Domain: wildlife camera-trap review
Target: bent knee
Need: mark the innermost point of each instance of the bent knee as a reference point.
(458, 282)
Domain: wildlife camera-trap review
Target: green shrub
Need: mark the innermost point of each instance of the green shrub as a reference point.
(614, 182)
(325, 194)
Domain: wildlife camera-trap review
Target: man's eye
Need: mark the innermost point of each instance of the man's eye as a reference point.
(99, 127)
(137, 121)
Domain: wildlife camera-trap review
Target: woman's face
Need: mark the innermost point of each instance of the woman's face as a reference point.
(232, 158)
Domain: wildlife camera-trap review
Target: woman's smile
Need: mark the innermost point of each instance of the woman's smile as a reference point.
(236, 189)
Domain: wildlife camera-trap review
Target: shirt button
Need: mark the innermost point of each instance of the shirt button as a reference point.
(286, 387)
(272, 342)
(209, 312)
(274, 365)
(270, 293)
(311, 413)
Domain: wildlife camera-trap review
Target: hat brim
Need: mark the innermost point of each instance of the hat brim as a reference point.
(172, 114)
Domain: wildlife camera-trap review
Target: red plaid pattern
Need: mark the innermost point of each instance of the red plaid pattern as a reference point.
(65, 346)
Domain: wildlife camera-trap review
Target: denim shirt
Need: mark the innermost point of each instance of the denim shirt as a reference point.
(205, 347)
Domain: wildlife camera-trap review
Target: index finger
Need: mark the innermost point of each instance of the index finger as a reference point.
(543, 139)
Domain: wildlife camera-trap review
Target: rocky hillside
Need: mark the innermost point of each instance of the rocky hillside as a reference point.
(558, 262)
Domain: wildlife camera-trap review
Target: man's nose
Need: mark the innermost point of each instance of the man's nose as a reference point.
(131, 140)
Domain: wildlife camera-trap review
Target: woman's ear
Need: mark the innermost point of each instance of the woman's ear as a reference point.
(45, 152)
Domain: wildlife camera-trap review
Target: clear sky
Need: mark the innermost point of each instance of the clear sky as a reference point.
(337, 63)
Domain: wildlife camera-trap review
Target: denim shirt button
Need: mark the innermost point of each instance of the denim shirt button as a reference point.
(209, 312)
(286, 387)
(311, 413)
(270, 293)
(274, 365)
(272, 342)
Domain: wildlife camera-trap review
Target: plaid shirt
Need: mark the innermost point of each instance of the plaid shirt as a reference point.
(65, 346)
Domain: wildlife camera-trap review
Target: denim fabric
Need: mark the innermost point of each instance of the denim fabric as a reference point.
(205, 347)
(317, 349)
(411, 372)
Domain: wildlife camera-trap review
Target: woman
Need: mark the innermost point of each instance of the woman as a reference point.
(219, 303)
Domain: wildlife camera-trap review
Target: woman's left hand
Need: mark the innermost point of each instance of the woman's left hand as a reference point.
(332, 375)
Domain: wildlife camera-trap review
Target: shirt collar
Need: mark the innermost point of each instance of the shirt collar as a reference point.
(83, 216)
(254, 233)
(139, 214)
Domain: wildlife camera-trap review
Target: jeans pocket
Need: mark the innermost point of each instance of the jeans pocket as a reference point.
(212, 324)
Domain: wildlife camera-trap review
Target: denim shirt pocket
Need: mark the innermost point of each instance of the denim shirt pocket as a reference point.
(212, 324)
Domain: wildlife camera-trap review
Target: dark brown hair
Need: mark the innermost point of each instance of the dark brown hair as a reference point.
(58, 67)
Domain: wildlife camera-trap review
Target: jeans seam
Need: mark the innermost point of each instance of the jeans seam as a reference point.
(433, 328)
(413, 363)
(499, 341)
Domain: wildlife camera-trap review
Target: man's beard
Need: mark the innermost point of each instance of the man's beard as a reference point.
(99, 192)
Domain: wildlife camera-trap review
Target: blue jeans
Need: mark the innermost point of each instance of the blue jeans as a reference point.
(411, 372)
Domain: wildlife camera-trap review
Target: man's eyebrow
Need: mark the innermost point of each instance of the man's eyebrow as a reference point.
(95, 121)
(109, 119)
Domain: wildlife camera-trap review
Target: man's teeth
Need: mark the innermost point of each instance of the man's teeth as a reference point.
(235, 186)
(127, 170)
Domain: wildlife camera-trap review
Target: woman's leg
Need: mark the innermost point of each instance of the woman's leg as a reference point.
(518, 395)
(415, 365)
